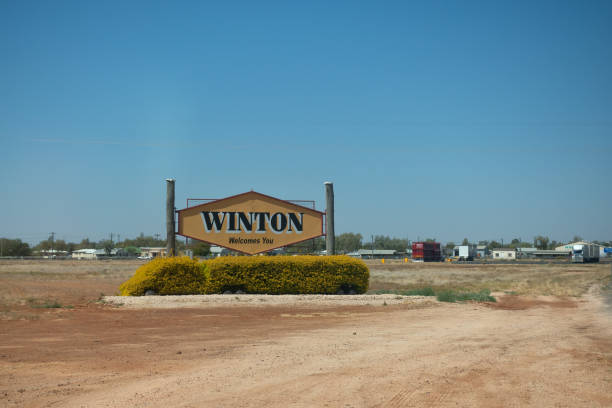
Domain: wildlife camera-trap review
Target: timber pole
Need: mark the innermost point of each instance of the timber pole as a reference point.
(170, 233)
(330, 244)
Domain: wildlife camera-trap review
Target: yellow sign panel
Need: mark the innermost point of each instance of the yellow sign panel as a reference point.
(250, 223)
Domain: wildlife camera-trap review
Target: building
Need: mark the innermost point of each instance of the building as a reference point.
(217, 251)
(569, 247)
(152, 252)
(53, 253)
(504, 254)
(482, 251)
(84, 254)
(526, 252)
(374, 253)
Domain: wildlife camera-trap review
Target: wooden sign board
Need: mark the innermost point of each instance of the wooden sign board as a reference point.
(250, 223)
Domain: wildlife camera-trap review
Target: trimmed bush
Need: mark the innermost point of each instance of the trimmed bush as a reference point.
(287, 275)
(167, 276)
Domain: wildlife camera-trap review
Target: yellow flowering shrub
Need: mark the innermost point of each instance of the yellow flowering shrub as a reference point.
(287, 274)
(167, 276)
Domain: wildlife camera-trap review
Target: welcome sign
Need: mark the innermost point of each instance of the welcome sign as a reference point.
(250, 223)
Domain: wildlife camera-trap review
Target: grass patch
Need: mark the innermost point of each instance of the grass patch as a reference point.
(410, 292)
(452, 296)
(36, 303)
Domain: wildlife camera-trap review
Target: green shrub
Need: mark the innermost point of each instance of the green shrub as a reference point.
(167, 276)
(288, 275)
(426, 291)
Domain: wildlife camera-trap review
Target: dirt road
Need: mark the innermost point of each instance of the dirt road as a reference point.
(520, 352)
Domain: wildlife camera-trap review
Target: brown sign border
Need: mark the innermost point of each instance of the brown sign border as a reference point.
(323, 214)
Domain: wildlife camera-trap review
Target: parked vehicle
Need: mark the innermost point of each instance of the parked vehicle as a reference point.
(584, 253)
(426, 251)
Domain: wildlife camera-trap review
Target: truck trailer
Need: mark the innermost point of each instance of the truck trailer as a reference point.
(464, 252)
(585, 253)
(426, 251)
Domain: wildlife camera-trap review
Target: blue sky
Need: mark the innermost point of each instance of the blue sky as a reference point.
(445, 119)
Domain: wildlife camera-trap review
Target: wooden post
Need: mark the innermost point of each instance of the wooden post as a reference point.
(170, 233)
(330, 244)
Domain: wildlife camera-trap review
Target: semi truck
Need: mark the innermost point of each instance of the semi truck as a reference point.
(426, 251)
(584, 253)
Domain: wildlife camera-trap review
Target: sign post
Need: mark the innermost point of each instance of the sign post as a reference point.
(170, 233)
(330, 242)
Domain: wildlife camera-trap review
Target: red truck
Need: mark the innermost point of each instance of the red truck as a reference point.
(426, 251)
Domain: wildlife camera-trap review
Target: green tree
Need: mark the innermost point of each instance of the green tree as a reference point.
(465, 242)
(450, 245)
(200, 248)
(145, 241)
(348, 242)
(494, 244)
(385, 242)
(310, 246)
(86, 244)
(541, 242)
(14, 247)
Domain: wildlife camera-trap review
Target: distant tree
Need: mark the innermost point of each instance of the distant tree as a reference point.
(450, 245)
(540, 242)
(465, 242)
(576, 238)
(430, 240)
(385, 242)
(516, 243)
(14, 247)
(128, 251)
(494, 244)
(144, 241)
(310, 246)
(200, 248)
(60, 245)
(348, 242)
(107, 245)
(86, 244)
(553, 244)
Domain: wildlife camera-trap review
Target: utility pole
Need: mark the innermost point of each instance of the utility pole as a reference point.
(372, 247)
(52, 239)
(330, 244)
(111, 238)
(170, 233)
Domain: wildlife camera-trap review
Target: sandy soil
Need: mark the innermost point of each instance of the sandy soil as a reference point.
(538, 351)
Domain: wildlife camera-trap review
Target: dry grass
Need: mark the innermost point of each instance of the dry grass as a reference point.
(81, 282)
(543, 279)
(57, 282)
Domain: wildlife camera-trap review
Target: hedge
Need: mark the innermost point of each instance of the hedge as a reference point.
(260, 274)
(287, 275)
(167, 276)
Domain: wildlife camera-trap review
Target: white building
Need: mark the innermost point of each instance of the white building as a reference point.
(152, 252)
(504, 253)
(217, 251)
(374, 253)
(84, 254)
